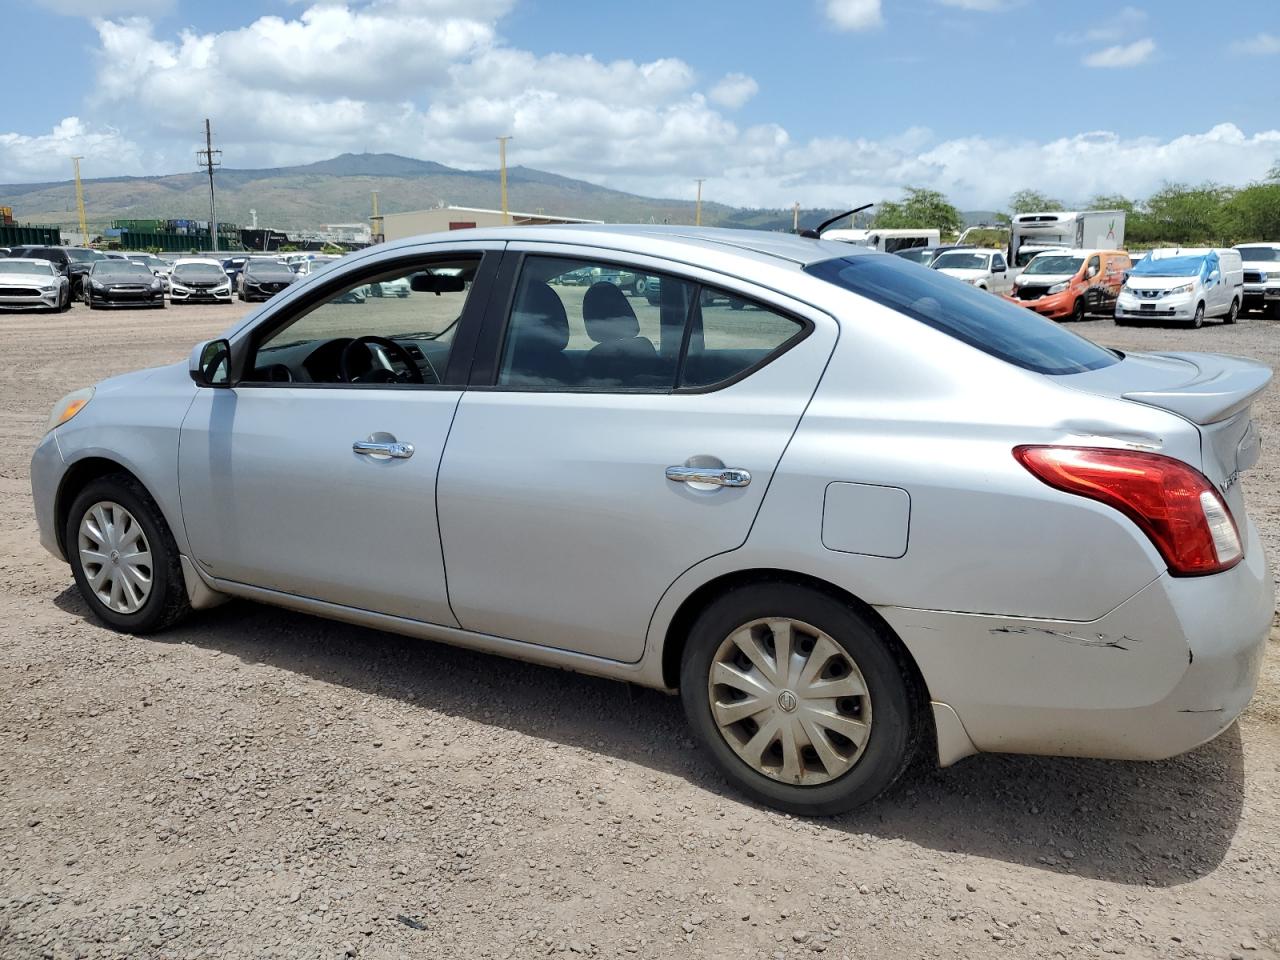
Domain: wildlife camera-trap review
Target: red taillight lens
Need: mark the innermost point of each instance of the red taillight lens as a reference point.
(1174, 504)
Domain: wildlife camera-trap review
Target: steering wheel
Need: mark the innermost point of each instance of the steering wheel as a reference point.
(411, 373)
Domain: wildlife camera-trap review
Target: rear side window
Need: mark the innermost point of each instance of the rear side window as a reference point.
(729, 336)
(990, 324)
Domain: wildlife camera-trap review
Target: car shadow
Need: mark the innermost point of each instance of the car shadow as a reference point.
(1154, 824)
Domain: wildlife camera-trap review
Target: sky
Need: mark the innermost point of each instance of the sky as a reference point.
(824, 102)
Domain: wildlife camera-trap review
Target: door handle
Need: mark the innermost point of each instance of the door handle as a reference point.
(716, 476)
(393, 449)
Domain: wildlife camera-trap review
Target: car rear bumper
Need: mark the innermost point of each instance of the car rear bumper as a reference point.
(1170, 668)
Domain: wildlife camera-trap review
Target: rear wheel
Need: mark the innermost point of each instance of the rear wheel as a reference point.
(779, 681)
(1233, 313)
(123, 556)
(1197, 321)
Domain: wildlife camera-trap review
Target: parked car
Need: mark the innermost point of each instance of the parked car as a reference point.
(926, 255)
(159, 268)
(1184, 285)
(393, 287)
(307, 268)
(1261, 275)
(881, 513)
(4, 252)
(1069, 284)
(72, 262)
(263, 279)
(232, 266)
(984, 269)
(28, 283)
(122, 283)
(199, 279)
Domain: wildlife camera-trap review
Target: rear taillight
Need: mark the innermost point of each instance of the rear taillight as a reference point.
(1174, 504)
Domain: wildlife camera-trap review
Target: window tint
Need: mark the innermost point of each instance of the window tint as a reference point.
(407, 318)
(729, 335)
(992, 325)
(582, 324)
(997, 263)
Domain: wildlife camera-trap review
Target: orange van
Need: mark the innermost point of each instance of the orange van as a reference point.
(1067, 284)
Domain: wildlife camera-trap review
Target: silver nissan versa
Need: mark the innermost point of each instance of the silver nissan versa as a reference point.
(849, 507)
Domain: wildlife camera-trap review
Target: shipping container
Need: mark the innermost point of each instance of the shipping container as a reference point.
(23, 235)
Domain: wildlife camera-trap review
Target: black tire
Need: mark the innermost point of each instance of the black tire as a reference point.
(898, 720)
(167, 603)
(1123, 322)
(1197, 321)
(1077, 310)
(1233, 313)
(64, 304)
(639, 286)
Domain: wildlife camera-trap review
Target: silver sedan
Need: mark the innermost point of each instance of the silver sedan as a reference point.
(850, 508)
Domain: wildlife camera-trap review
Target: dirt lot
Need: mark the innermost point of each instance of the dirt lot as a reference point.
(257, 783)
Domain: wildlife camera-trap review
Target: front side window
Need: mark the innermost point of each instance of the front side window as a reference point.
(394, 328)
(990, 324)
(591, 326)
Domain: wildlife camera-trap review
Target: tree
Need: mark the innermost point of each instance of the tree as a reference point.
(1182, 214)
(1032, 201)
(1254, 213)
(1274, 172)
(1112, 201)
(923, 208)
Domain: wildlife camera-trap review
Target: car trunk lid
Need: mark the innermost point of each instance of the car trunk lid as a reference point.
(1213, 391)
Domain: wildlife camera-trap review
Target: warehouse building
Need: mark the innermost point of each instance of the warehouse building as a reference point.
(397, 226)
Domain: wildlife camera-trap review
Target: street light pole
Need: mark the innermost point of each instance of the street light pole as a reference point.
(84, 227)
(697, 208)
(502, 177)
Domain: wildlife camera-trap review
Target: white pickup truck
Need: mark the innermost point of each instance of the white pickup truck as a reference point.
(1261, 277)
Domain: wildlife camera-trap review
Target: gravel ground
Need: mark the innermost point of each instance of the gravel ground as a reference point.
(257, 783)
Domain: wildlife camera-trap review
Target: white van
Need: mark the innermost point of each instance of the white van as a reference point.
(1183, 284)
(886, 241)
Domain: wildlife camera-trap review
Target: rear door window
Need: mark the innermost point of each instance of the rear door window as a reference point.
(730, 336)
(990, 324)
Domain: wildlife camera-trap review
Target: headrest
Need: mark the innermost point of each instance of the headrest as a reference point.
(539, 318)
(607, 315)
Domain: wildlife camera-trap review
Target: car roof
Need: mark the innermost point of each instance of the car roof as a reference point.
(643, 238)
(183, 261)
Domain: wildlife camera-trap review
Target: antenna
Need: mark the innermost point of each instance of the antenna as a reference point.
(817, 234)
(210, 158)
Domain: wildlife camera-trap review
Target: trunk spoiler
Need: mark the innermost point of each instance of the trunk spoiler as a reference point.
(1220, 387)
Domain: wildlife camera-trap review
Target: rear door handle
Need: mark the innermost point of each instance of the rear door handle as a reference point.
(393, 449)
(717, 476)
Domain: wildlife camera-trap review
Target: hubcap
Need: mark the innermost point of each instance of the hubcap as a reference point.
(115, 557)
(789, 701)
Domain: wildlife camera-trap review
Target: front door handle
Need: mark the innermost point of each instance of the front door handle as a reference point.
(393, 449)
(716, 476)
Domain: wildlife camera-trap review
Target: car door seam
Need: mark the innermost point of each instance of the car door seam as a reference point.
(435, 493)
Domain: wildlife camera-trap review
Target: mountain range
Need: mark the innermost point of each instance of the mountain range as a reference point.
(339, 191)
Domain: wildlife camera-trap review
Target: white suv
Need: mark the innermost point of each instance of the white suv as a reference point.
(1261, 276)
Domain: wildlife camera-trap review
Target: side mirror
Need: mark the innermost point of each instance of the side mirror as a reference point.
(210, 364)
(436, 283)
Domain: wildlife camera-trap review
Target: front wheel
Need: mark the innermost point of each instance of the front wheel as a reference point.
(801, 701)
(123, 556)
(1077, 310)
(1197, 321)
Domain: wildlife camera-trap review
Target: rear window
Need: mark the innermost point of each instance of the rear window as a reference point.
(994, 326)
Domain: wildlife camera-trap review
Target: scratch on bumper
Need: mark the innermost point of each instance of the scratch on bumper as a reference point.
(1093, 640)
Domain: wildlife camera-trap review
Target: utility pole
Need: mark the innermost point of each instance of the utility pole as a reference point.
(210, 158)
(375, 222)
(697, 209)
(795, 217)
(502, 176)
(84, 227)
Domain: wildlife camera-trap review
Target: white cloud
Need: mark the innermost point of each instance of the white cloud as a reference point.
(733, 90)
(647, 127)
(47, 156)
(1115, 27)
(1122, 55)
(1263, 45)
(853, 14)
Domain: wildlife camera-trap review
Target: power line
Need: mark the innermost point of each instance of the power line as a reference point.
(210, 158)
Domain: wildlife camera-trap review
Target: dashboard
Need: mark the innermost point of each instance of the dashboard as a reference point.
(321, 361)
